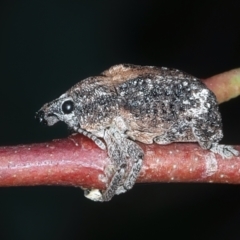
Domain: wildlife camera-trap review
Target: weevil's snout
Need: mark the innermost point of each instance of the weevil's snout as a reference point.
(46, 115)
(60, 109)
(40, 117)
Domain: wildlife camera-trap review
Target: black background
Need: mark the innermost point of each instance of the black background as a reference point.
(47, 46)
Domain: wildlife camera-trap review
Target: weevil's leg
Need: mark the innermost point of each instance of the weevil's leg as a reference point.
(224, 150)
(96, 140)
(113, 185)
(127, 157)
(208, 139)
(117, 153)
(136, 155)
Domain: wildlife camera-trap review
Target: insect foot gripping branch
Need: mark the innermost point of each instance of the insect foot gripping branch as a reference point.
(148, 104)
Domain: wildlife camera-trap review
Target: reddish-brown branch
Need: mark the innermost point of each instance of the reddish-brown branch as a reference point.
(77, 161)
(225, 85)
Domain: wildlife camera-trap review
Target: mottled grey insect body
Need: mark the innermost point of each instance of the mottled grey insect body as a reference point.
(147, 104)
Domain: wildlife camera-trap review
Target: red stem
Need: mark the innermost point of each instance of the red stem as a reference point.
(77, 161)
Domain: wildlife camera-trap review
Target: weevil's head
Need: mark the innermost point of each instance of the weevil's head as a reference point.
(60, 109)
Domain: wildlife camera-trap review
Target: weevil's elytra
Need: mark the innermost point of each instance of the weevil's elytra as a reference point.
(148, 104)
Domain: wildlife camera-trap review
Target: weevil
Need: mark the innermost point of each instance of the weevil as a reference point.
(129, 103)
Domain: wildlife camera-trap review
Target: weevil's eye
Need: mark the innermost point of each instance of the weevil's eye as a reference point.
(68, 107)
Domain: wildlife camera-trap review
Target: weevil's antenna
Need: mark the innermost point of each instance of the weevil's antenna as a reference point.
(96, 140)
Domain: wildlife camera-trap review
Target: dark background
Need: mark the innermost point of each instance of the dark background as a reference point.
(47, 46)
